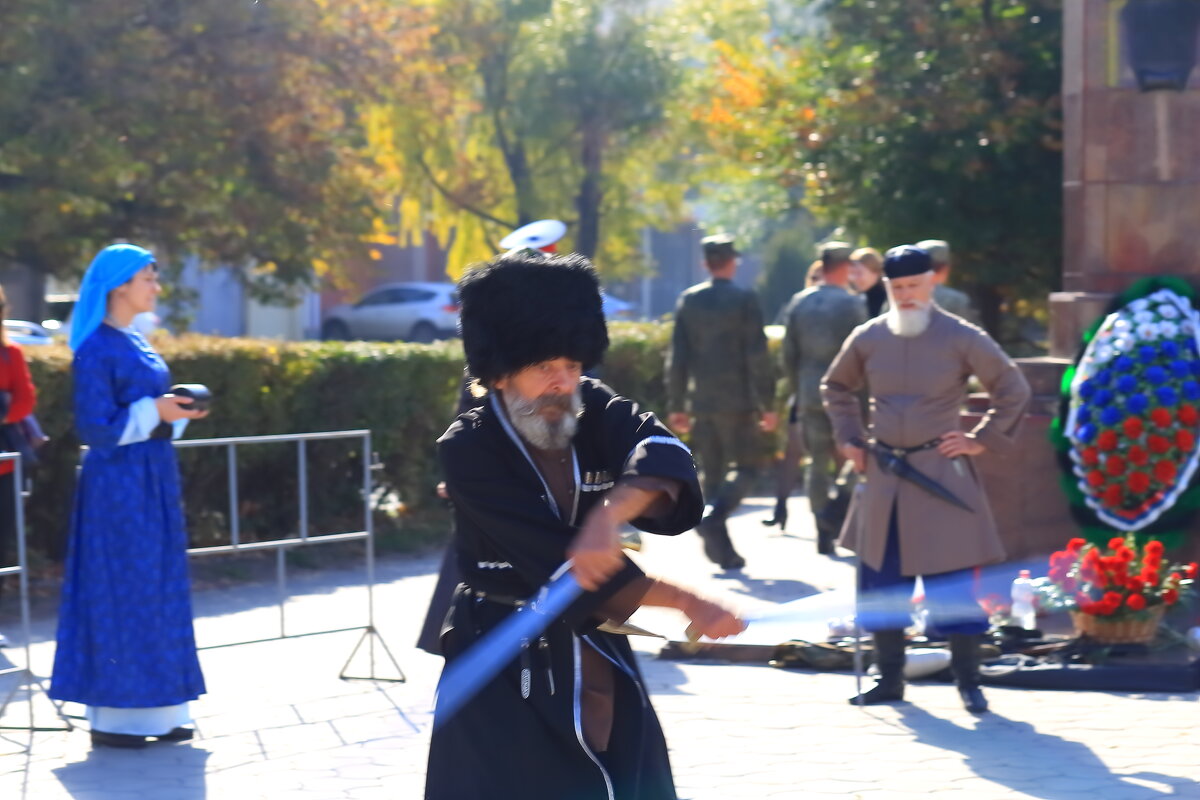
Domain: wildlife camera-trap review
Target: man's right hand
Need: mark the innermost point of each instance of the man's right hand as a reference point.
(855, 455)
(679, 422)
(710, 619)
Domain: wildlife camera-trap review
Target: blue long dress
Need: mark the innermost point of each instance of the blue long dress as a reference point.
(125, 636)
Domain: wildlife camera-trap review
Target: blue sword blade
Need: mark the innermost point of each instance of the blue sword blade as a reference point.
(466, 675)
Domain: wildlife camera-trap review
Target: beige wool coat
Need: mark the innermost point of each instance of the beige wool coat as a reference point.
(917, 388)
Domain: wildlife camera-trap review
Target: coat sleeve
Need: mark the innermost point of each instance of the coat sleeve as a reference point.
(762, 387)
(844, 379)
(492, 501)
(638, 445)
(100, 420)
(24, 396)
(791, 348)
(1007, 388)
(677, 361)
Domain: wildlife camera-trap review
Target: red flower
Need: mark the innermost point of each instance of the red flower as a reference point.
(1113, 495)
(1191, 570)
(1171, 596)
(1132, 427)
(1069, 584)
(1105, 608)
(1095, 479)
(1164, 471)
(1158, 444)
(1124, 554)
(1090, 456)
(1107, 440)
(1136, 602)
(1138, 482)
(1111, 597)
(1161, 417)
(1114, 465)
(1152, 562)
(1154, 548)
(1175, 577)
(1115, 543)
(1137, 455)
(1135, 585)
(1075, 545)
(1188, 414)
(1150, 576)
(1185, 441)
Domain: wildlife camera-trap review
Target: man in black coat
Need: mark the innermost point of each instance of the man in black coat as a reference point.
(546, 469)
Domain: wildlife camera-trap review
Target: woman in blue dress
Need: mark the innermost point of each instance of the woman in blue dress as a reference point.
(126, 649)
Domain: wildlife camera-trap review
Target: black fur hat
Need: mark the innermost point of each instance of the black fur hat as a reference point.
(522, 308)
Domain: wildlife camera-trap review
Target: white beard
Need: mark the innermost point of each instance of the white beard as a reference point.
(909, 321)
(525, 416)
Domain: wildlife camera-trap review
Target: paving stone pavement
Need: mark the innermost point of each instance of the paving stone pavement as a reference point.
(278, 723)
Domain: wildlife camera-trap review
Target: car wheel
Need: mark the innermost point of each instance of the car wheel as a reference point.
(423, 332)
(334, 329)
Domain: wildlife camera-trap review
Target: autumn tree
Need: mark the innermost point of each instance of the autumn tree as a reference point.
(225, 130)
(541, 109)
(904, 120)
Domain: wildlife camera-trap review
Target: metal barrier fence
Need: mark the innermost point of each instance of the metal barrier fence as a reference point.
(31, 682)
(370, 634)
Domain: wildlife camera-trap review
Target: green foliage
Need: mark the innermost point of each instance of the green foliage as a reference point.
(405, 394)
(786, 259)
(223, 130)
(904, 120)
(538, 109)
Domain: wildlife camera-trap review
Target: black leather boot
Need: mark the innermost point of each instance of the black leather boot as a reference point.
(715, 535)
(124, 740)
(781, 514)
(889, 657)
(964, 663)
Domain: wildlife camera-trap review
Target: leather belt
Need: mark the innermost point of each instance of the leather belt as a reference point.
(901, 452)
(496, 597)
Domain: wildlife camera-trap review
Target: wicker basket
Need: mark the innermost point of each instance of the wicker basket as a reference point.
(1122, 630)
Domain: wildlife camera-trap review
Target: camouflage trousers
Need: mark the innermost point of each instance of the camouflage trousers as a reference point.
(823, 455)
(730, 455)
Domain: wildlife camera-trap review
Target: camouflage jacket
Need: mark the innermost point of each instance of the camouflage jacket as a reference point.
(818, 321)
(718, 359)
(956, 302)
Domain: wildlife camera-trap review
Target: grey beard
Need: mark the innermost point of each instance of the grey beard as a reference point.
(909, 322)
(538, 431)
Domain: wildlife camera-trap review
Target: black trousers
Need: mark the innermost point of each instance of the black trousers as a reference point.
(8, 530)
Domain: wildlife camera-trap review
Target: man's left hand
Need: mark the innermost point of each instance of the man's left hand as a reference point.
(957, 443)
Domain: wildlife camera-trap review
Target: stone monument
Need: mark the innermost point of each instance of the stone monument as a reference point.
(1131, 209)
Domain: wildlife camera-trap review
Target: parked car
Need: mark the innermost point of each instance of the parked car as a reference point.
(416, 312)
(20, 331)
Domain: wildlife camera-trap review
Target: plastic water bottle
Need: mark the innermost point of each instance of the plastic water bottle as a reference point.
(1022, 601)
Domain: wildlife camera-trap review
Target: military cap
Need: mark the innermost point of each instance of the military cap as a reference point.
(905, 261)
(938, 250)
(719, 245)
(834, 253)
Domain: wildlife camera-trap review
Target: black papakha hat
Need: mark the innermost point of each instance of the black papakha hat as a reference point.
(523, 308)
(905, 261)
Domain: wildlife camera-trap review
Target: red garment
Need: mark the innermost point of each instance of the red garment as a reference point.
(14, 379)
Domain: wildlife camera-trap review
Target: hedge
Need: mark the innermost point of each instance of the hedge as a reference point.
(403, 393)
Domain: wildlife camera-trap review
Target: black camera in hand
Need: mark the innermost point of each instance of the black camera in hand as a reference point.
(200, 397)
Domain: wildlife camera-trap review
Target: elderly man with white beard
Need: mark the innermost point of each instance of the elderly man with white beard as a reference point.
(547, 468)
(914, 361)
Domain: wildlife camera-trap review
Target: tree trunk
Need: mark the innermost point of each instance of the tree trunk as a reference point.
(591, 191)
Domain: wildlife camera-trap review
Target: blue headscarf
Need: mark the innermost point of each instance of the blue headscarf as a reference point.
(111, 267)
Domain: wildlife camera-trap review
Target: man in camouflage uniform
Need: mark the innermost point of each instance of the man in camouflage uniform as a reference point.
(718, 366)
(948, 299)
(818, 321)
